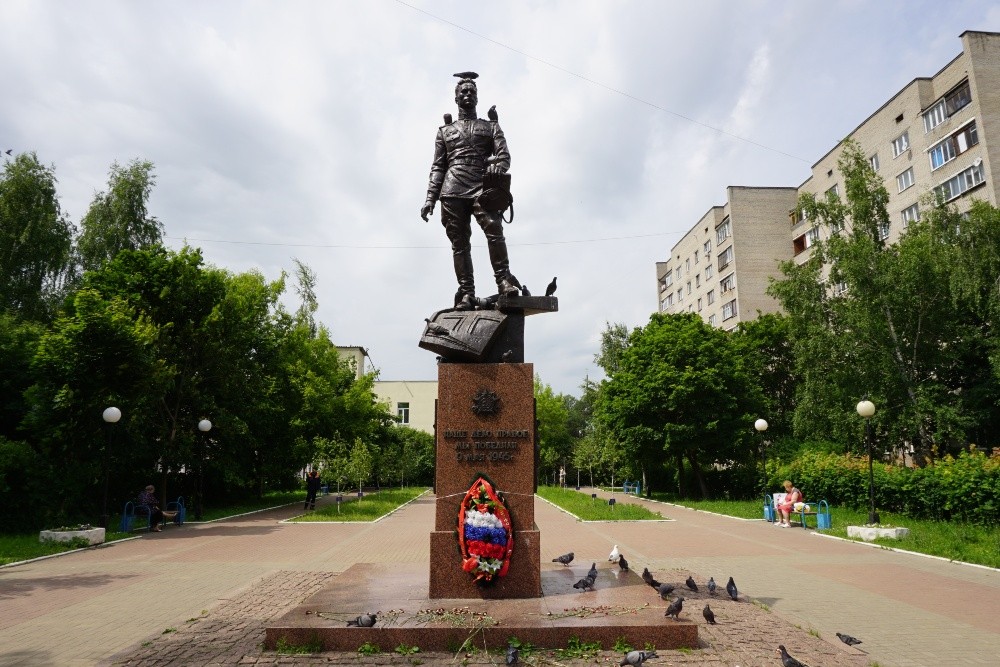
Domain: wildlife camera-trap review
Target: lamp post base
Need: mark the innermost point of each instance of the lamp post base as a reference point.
(104, 521)
(873, 518)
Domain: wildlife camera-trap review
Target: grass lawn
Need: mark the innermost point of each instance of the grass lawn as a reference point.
(370, 507)
(955, 541)
(270, 499)
(584, 507)
(14, 548)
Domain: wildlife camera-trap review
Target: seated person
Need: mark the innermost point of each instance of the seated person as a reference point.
(148, 498)
(792, 496)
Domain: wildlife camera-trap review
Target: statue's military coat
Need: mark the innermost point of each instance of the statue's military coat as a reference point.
(459, 166)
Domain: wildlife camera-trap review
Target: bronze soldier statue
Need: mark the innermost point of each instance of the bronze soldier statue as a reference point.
(466, 152)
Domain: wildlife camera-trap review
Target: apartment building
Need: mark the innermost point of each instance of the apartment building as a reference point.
(721, 267)
(937, 137)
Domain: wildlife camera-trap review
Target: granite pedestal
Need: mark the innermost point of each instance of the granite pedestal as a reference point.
(485, 425)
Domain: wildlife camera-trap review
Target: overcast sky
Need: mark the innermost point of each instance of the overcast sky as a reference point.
(305, 129)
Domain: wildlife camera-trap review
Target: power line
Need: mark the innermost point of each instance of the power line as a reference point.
(351, 246)
(599, 84)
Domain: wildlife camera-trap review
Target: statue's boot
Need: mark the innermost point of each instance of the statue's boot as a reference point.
(465, 297)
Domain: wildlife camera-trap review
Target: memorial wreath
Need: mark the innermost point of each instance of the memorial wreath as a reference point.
(485, 536)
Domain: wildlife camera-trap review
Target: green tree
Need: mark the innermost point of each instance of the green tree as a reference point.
(681, 392)
(903, 328)
(118, 219)
(35, 239)
(360, 462)
(554, 436)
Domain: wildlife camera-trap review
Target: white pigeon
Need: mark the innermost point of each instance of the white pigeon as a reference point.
(614, 555)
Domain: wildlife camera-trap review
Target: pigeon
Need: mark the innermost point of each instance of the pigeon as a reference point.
(363, 621)
(665, 590)
(506, 356)
(648, 578)
(565, 559)
(436, 329)
(592, 573)
(614, 555)
(622, 563)
(731, 589)
(787, 660)
(711, 586)
(585, 584)
(492, 113)
(524, 290)
(674, 609)
(512, 653)
(9, 151)
(690, 584)
(708, 614)
(551, 288)
(636, 658)
(849, 640)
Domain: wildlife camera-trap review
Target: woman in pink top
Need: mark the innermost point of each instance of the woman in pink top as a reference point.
(792, 496)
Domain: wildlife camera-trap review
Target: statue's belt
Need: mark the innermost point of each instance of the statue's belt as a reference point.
(469, 161)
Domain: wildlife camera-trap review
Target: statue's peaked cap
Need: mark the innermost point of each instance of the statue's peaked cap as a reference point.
(466, 75)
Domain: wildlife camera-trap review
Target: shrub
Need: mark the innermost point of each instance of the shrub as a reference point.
(964, 488)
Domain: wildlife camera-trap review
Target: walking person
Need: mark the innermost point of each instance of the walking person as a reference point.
(312, 488)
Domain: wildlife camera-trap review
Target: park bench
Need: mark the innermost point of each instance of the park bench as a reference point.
(821, 512)
(175, 512)
(632, 487)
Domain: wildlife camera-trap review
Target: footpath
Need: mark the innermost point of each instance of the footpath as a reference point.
(199, 594)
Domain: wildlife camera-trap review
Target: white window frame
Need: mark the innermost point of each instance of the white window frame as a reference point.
(403, 412)
(728, 280)
(710, 297)
(873, 161)
(904, 179)
(668, 278)
(955, 144)
(935, 116)
(900, 144)
(910, 214)
(712, 319)
(729, 310)
(723, 231)
(708, 248)
(961, 183)
(883, 230)
(709, 271)
(726, 257)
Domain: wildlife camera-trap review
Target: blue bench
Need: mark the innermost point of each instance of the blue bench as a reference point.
(822, 515)
(176, 512)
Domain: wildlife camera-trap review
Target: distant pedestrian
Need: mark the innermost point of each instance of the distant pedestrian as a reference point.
(312, 488)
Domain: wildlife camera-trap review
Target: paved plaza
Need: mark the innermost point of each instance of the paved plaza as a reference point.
(201, 594)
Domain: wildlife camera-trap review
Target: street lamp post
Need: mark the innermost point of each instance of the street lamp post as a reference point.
(111, 416)
(866, 409)
(204, 426)
(761, 426)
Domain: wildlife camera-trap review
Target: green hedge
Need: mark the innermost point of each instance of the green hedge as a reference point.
(964, 489)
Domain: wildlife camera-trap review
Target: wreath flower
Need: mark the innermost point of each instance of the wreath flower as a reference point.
(485, 537)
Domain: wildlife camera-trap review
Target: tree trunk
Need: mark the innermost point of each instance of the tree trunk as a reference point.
(698, 475)
(679, 460)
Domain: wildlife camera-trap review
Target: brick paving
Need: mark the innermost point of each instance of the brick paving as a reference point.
(202, 594)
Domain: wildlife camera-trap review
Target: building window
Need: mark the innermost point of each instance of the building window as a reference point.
(960, 183)
(668, 279)
(900, 144)
(709, 271)
(687, 265)
(708, 248)
(667, 302)
(910, 214)
(953, 102)
(699, 305)
(951, 147)
(905, 179)
(873, 161)
(934, 116)
(680, 295)
(689, 287)
(883, 231)
(728, 283)
(839, 289)
(403, 412)
(725, 257)
(710, 297)
(712, 319)
(697, 280)
(679, 274)
(833, 192)
(729, 310)
(695, 256)
(723, 231)
(812, 236)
